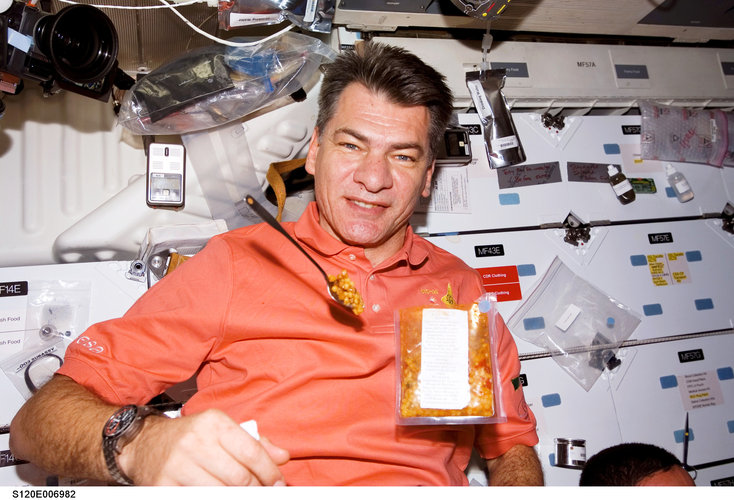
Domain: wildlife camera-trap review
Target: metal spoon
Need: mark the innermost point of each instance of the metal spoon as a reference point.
(265, 216)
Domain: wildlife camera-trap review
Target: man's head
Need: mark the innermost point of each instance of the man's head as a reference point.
(634, 464)
(372, 153)
(399, 75)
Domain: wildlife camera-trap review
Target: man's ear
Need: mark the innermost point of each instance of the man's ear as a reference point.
(313, 149)
(429, 175)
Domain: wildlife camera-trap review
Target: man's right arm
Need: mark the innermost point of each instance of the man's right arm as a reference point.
(60, 430)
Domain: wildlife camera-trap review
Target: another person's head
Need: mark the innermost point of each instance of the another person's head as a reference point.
(634, 464)
(382, 113)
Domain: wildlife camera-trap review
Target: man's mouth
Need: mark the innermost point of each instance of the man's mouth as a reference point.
(363, 204)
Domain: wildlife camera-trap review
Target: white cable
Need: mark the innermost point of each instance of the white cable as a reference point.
(226, 42)
(191, 25)
(142, 7)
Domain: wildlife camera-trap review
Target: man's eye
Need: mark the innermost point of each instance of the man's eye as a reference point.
(405, 158)
(348, 145)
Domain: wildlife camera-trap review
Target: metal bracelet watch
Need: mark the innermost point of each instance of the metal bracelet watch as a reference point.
(119, 430)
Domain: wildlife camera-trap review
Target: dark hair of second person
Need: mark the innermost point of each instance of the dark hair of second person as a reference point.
(634, 464)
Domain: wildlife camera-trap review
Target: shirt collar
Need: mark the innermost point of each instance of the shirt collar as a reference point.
(415, 250)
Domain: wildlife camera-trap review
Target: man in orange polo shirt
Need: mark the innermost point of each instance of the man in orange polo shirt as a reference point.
(253, 320)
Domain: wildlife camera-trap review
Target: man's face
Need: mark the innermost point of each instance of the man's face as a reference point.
(370, 166)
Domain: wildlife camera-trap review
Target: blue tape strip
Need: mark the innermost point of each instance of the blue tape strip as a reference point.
(509, 199)
(669, 192)
(612, 149)
(694, 256)
(638, 260)
(725, 373)
(703, 304)
(730, 426)
(526, 270)
(537, 323)
(668, 381)
(652, 309)
(551, 400)
(680, 435)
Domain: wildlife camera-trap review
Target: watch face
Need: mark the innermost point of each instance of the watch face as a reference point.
(120, 421)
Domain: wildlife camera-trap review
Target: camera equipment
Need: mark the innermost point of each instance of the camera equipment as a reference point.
(74, 49)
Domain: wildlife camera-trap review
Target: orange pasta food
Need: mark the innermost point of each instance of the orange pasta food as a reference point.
(481, 403)
(343, 288)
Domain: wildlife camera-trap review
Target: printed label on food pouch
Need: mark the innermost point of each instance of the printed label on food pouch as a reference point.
(502, 143)
(444, 378)
(479, 98)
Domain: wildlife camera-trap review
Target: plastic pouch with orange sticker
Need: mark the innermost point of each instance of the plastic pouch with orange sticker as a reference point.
(447, 368)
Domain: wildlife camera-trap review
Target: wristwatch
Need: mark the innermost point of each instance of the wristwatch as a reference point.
(119, 430)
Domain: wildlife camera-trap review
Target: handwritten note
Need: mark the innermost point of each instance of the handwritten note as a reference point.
(588, 172)
(529, 175)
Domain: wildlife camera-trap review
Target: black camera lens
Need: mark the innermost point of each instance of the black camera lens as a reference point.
(80, 41)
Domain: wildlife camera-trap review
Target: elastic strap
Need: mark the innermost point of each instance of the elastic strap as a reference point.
(275, 179)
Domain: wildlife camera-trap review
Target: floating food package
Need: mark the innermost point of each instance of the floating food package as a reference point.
(446, 365)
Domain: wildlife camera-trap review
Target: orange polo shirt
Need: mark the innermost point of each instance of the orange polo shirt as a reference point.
(253, 315)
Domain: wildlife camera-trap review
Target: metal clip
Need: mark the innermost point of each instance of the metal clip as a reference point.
(549, 121)
(727, 218)
(576, 231)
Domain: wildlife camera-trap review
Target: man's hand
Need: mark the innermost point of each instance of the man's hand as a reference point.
(60, 430)
(519, 466)
(208, 448)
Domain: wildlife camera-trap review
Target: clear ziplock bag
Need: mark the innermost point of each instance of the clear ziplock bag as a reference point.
(217, 84)
(580, 326)
(56, 309)
(447, 370)
(34, 365)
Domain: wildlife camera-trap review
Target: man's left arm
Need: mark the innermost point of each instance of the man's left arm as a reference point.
(518, 466)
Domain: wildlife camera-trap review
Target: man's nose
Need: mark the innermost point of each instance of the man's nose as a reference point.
(374, 173)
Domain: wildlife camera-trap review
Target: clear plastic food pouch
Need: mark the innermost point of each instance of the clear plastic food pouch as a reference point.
(311, 15)
(578, 324)
(500, 136)
(218, 84)
(671, 133)
(34, 365)
(447, 365)
(56, 309)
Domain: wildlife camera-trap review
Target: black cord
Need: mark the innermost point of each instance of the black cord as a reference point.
(27, 376)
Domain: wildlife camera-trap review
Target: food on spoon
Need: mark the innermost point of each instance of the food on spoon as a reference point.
(342, 287)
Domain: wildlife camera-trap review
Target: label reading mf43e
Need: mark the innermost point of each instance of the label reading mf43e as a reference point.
(669, 268)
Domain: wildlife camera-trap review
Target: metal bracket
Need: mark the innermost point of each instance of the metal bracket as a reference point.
(727, 218)
(549, 121)
(576, 231)
(153, 263)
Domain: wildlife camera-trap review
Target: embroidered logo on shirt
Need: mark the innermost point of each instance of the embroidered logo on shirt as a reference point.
(448, 299)
(90, 344)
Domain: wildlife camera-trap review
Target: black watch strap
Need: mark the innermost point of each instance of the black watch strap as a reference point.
(119, 430)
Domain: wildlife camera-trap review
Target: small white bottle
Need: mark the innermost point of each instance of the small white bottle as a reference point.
(680, 185)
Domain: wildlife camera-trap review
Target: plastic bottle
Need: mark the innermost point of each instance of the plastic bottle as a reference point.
(622, 187)
(680, 185)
